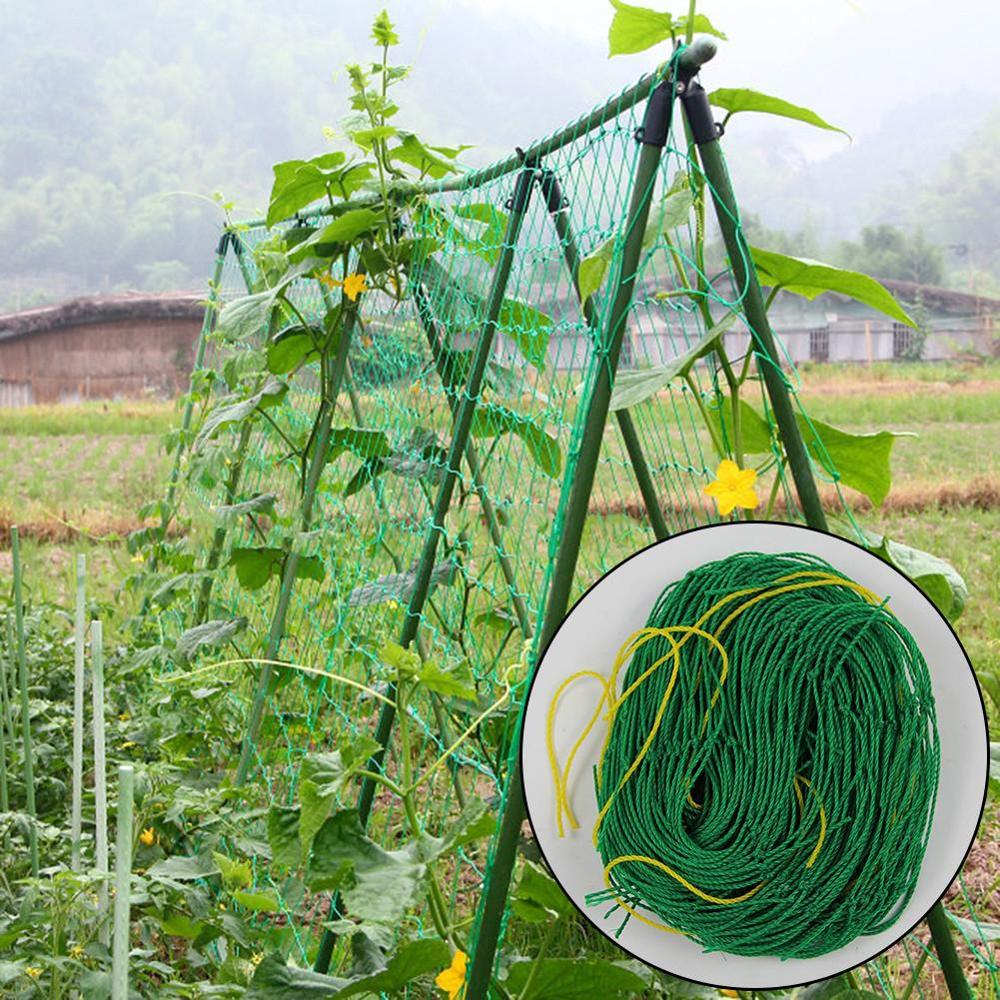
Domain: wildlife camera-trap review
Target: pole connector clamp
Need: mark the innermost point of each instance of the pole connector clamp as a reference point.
(699, 114)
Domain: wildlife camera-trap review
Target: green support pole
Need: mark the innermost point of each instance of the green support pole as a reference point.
(100, 776)
(459, 440)
(22, 665)
(79, 655)
(944, 945)
(331, 388)
(552, 192)
(123, 879)
(652, 137)
(706, 138)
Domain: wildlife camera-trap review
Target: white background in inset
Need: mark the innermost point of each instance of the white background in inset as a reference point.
(590, 638)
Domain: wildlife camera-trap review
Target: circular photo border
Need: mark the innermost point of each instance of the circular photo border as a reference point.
(622, 599)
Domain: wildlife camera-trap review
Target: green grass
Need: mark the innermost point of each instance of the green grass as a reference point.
(94, 418)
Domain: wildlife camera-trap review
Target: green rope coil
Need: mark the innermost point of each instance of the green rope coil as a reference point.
(799, 783)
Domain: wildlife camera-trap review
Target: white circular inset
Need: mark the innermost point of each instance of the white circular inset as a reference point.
(590, 637)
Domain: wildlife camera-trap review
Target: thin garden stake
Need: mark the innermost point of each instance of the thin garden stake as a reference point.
(100, 776)
(22, 663)
(8, 675)
(123, 878)
(79, 654)
(652, 138)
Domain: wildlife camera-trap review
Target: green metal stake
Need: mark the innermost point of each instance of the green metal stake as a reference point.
(123, 878)
(705, 135)
(100, 776)
(944, 945)
(552, 191)
(703, 130)
(459, 440)
(79, 651)
(9, 669)
(290, 569)
(656, 128)
(22, 662)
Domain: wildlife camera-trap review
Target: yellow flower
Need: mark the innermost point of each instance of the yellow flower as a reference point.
(354, 285)
(733, 487)
(256, 958)
(392, 605)
(76, 951)
(138, 558)
(127, 745)
(452, 980)
(329, 281)
(33, 971)
(148, 837)
(729, 993)
(124, 717)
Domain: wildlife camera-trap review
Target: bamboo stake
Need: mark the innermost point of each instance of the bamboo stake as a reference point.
(100, 776)
(79, 643)
(123, 875)
(22, 662)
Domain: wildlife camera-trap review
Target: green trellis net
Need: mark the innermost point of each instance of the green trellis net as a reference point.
(392, 426)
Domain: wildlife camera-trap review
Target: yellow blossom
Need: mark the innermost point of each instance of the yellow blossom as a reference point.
(138, 558)
(33, 971)
(256, 958)
(329, 281)
(733, 487)
(76, 951)
(148, 837)
(452, 979)
(354, 285)
(366, 341)
(127, 745)
(392, 605)
(729, 993)
(124, 717)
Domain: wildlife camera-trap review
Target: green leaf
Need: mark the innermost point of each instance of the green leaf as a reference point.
(455, 683)
(408, 962)
(538, 898)
(259, 503)
(342, 230)
(473, 823)
(922, 567)
(635, 29)
(735, 100)
(283, 835)
(377, 886)
(255, 566)
(260, 902)
(702, 26)
(592, 270)
(367, 137)
(572, 979)
(292, 347)
(427, 159)
(274, 980)
(179, 924)
(384, 31)
(492, 420)
(809, 278)
(183, 869)
(228, 412)
(634, 387)
(989, 681)
(755, 431)
(399, 586)
(213, 633)
(528, 328)
(298, 183)
(244, 317)
(235, 874)
(994, 779)
(860, 461)
(361, 441)
(976, 930)
(490, 238)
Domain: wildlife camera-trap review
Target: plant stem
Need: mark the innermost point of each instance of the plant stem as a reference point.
(542, 949)
(700, 403)
(692, 6)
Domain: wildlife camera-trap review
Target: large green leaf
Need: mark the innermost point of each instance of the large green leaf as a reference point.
(262, 901)
(229, 411)
(735, 100)
(343, 230)
(636, 386)
(399, 586)
(942, 583)
(283, 835)
(594, 268)
(572, 979)
(361, 441)
(213, 633)
(274, 980)
(454, 683)
(298, 183)
(810, 278)
(635, 29)
(860, 461)
(256, 565)
(537, 898)
(432, 161)
(408, 962)
(377, 886)
(245, 316)
(977, 930)
(529, 328)
(183, 869)
(259, 503)
(989, 681)
(289, 349)
(755, 431)
(492, 420)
